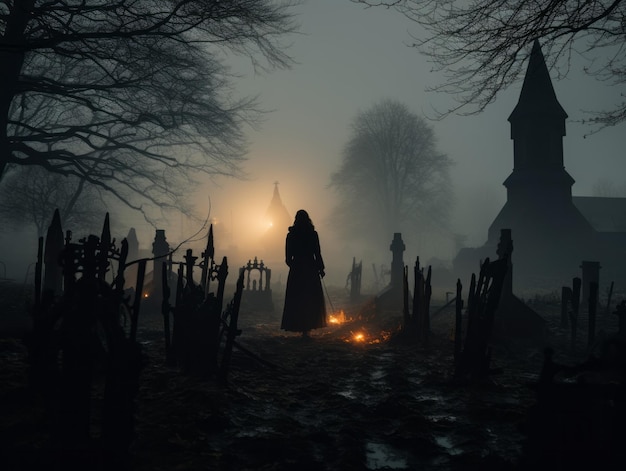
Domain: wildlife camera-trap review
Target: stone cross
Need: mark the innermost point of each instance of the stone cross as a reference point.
(397, 248)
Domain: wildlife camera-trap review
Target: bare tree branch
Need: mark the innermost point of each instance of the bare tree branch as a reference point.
(132, 96)
(481, 46)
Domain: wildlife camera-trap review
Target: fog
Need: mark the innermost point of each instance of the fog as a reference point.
(349, 58)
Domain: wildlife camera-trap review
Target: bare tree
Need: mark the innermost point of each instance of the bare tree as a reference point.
(131, 95)
(391, 178)
(29, 195)
(481, 46)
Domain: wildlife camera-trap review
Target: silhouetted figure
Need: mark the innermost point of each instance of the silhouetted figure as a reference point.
(304, 298)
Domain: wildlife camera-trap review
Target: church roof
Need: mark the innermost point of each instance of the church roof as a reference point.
(537, 96)
(276, 211)
(604, 214)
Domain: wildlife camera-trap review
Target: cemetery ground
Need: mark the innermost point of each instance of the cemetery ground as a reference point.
(352, 397)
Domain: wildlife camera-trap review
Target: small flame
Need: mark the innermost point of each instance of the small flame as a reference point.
(337, 319)
(145, 295)
(383, 337)
(363, 337)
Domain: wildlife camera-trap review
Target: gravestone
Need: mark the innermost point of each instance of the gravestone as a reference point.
(591, 274)
(391, 297)
(160, 250)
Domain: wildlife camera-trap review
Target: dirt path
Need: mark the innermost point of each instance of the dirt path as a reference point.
(331, 403)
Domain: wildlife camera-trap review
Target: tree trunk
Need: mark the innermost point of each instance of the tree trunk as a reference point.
(12, 53)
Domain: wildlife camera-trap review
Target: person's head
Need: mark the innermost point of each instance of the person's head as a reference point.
(302, 219)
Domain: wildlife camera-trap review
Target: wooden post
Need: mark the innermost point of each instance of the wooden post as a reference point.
(416, 318)
(179, 284)
(593, 306)
(355, 280)
(405, 299)
(103, 252)
(482, 305)
(471, 303)
(233, 331)
(77, 357)
(458, 324)
(190, 260)
(576, 282)
(165, 311)
(566, 299)
(121, 268)
(608, 301)
(69, 266)
(53, 273)
(591, 274)
(207, 260)
(426, 305)
(38, 269)
(141, 272)
(178, 329)
(222, 273)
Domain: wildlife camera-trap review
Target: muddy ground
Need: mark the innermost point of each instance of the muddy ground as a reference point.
(329, 402)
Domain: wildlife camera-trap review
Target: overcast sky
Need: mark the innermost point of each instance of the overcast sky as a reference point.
(349, 58)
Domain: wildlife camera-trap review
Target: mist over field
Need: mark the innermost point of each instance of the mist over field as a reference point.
(347, 59)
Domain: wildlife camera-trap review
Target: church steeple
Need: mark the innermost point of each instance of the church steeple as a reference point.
(276, 212)
(537, 97)
(537, 130)
(276, 201)
(549, 233)
(273, 240)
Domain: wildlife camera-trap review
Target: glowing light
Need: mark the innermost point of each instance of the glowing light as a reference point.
(363, 337)
(337, 319)
(384, 336)
(145, 295)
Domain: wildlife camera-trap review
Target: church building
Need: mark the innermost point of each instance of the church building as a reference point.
(273, 240)
(553, 232)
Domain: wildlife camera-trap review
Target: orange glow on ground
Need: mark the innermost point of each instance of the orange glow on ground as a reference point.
(336, 319)
(360, 335)
(363, 337)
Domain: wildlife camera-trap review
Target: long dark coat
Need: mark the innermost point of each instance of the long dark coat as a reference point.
(305, 308)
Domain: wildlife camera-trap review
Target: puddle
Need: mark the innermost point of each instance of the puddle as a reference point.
(255, 432)
(414, 380)
(377, 374)
(441, 418)
(349, 394)
(381, 456)
(428, 398)
(445, 443)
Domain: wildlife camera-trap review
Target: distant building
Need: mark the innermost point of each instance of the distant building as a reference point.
(273, 240)
(552, 231)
